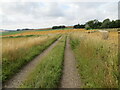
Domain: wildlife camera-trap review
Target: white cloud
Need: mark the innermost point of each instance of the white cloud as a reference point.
(59, 0)
(46, 14)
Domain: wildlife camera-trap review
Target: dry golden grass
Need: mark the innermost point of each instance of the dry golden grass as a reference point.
(97, 58)
(112, 39)
(0, 51)
(11, 46)
(49, 32)
(16, 52)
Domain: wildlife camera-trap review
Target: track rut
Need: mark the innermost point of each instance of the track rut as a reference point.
(17, 80)
(70, 77)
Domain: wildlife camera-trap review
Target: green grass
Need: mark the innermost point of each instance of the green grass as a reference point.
(48, 72)
(10, 67)
(12, 32)
(97, 63)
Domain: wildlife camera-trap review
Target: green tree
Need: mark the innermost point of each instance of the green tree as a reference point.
(87, 27)
(106, 23)
(117, 23)
(93, 24)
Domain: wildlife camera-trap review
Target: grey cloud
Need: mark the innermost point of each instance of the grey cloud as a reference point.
(34, 14)
(16, 7)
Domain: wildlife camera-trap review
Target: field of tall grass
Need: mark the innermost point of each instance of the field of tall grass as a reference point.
(48, 72)
(119, 55)
(0, 63)
(37, 32)
(16, 52)
(97, 59)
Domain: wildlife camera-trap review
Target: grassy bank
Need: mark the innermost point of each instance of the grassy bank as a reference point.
(16, 52)
(48, 73)
(97, 60)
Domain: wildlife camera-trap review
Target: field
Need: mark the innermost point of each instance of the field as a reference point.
(96, 59)
(18, 51)
(41, 32)
(50, 69)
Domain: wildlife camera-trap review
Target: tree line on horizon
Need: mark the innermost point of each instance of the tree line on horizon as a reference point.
(94, 24)
(107, 23)
(58, 27)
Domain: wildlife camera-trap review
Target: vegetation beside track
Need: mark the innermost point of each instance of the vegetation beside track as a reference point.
(97, 59)
(19, 51)
(48, 72)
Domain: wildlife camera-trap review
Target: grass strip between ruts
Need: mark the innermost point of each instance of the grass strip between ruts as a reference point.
(48, 72)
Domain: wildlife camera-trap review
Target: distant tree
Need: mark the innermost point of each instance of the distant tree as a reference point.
(96, 24)
(79, 26)
(106, 23)
(113, 24)
(18, 29)
(90, 24)
(58, 27)
(54, 27)
(93, 24)
(87, 27)
(62, 26)
(82, 26)
(117, 23)
(25, 29)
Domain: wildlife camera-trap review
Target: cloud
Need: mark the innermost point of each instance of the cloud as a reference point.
(59, 0)
(46, 14)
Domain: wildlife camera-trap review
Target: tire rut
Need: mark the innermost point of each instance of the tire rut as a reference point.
(17, 80)
(70, 77)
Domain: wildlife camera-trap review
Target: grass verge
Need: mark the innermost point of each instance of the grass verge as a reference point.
(97, 61)
(48, 72)
(22, 56)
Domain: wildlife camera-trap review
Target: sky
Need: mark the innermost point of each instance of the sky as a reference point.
(42, 14)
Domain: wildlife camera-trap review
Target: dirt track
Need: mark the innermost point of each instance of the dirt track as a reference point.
(70, 77)
(17, 80)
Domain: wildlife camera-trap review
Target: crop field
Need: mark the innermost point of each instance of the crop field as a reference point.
(39, 32)
(41, 59)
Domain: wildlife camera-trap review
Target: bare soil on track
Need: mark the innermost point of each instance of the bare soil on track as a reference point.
(70, 77)
(17, 80)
